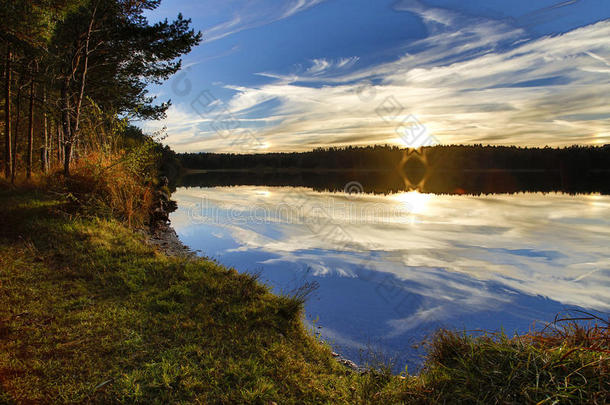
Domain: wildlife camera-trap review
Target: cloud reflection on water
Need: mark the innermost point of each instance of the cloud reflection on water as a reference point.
(460, 261)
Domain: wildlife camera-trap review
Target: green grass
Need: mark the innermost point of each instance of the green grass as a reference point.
(536, 368)
(90, 313)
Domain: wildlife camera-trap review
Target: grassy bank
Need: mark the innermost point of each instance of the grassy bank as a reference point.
(90, 313)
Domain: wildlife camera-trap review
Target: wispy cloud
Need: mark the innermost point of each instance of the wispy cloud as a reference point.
(256, 13)
(320, 66)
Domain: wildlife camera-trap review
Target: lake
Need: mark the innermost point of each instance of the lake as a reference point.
(390, 269)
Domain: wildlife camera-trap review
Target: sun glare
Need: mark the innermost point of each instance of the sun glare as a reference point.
(602, 138)
(414, 201)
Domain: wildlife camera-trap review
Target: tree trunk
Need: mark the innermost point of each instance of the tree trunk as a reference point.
(16, 134)
(59, 143)
(28, 170)
(7, 116)
(50, 143)
(65, 122)
(79, 99)
(70, 126)
(67, 158)
(46, 145)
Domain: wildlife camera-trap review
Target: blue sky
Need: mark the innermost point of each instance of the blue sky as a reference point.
(293, 75)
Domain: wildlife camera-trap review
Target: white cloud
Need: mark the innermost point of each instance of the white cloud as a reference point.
(256, 13)
(469, 81)
(322, 66)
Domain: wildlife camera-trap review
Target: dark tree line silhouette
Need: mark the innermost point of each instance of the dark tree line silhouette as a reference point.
(452, 169)
(450, 157)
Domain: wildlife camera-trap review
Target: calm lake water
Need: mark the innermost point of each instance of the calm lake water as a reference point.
(392, 268)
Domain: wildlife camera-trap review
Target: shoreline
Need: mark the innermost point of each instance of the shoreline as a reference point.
(166, 240)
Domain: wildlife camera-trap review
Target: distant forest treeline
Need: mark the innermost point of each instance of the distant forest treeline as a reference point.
(451, 157)
(454, 169)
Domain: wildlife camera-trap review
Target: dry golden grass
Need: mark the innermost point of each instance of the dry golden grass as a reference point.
(117, 186)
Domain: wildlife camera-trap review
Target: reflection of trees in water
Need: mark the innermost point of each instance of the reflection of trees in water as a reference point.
(441, 169)
(386, 182)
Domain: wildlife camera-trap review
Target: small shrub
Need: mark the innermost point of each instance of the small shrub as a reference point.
(111, 186)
